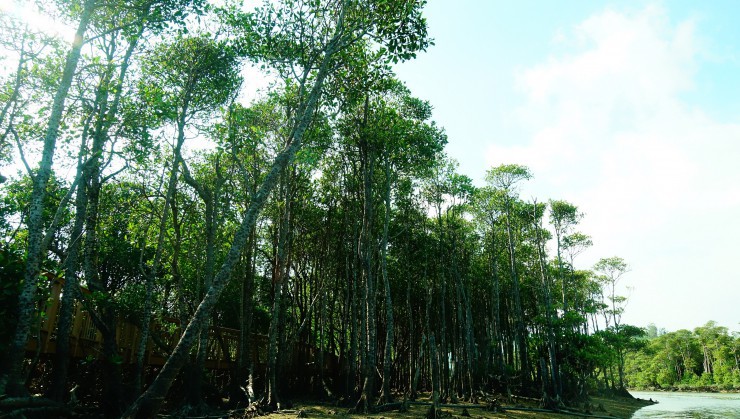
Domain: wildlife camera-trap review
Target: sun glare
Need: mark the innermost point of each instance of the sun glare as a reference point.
(30, 15)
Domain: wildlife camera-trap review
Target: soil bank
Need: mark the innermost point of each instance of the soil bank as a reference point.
(616, 407)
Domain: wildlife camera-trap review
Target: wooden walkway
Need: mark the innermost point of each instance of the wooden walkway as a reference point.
(86, 341)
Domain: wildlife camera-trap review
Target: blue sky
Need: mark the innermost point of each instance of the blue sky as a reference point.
(630, 110)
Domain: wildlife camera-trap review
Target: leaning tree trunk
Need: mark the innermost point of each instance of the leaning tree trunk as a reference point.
(149, 403)
(10, 376)
(104, 120)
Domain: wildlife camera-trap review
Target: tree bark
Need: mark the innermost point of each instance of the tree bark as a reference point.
(367, 159)
(521, 334)
(385, 394)
(280, 270)
(555, 389)
(11, 372)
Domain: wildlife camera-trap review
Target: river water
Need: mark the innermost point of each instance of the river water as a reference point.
(689, 405)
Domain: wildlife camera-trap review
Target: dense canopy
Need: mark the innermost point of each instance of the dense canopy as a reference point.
(313, 240)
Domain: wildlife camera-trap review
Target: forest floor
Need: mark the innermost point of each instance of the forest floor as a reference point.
(599, 407)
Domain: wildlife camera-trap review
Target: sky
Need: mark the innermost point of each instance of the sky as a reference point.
(629, 110)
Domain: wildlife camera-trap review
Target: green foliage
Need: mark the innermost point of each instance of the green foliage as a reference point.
(506, 176)
(14, 197)
(189, 75)
(294, 32)
(703, 359)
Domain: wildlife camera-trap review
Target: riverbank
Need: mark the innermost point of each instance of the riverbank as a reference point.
(598, 407)
(690, 389)
(689, 405)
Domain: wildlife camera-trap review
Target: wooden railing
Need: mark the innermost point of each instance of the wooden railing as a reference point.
(86, 341)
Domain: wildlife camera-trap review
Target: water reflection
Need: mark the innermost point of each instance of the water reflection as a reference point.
(689, 405)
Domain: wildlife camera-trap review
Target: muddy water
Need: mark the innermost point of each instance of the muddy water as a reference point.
(689, 405)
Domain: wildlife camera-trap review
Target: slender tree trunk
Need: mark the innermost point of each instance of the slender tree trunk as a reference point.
(413, 366)
(521, 334)
(368, 167)
(433, 362)
(106, 111)
(444, 379)
(66, 308)
(385, 395)
(154, 270)
(111, 368)
(472, 353)
(280, 272)
(244, 362)
(555, 390)
(354, 318)
(210, 197)
(498, 352)
(11, 372)
(563, 278)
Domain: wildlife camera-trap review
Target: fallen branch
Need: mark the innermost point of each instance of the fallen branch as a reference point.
(389, 407)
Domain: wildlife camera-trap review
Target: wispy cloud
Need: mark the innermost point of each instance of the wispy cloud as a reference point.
(609, 128)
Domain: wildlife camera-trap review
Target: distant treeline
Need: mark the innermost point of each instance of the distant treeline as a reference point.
(707, 358)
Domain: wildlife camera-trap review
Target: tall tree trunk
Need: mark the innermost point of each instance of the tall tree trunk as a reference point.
(154, 270)
(245, 364)
(11, 372)
(470, 347)
(368, 373)
(444, 379)
(521, 334)
(280, 271)
(66, 308)
(433, 361)
(413, 366)
(354, 340)
(106, 115)
(385, 394)
(498, 352)
(555, 389)
(210, 197)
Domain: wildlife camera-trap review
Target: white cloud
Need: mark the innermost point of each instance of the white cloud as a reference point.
(657, 176)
